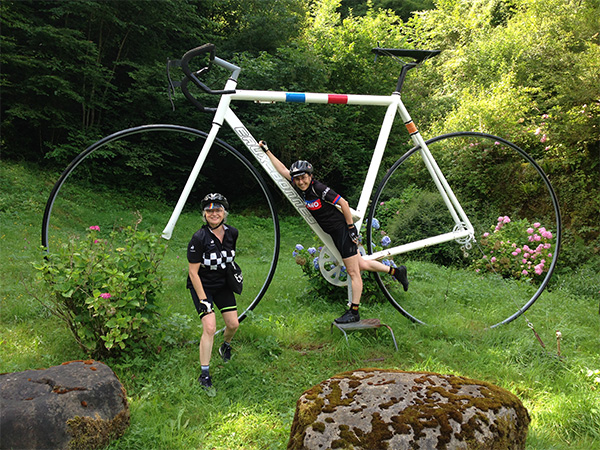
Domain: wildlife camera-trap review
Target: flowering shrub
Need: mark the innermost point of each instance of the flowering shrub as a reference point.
(105, 288)
(516, 249)
(308, 260)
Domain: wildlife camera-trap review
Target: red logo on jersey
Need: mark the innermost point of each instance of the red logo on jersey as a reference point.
(313, 205)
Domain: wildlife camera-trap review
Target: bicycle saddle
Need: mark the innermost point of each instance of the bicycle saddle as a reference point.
(417, 55)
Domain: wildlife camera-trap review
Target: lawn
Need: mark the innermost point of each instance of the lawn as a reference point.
(286, 345)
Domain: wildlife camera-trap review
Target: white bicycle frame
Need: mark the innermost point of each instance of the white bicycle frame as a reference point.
(463, 231)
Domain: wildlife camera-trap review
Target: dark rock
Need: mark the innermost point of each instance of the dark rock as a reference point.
(77, 405)
(376, 409)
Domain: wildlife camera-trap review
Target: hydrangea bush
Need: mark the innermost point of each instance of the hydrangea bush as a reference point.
(308, 260)
(104, 287)
(516, 249)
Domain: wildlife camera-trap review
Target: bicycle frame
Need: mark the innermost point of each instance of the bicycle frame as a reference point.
(463, 231)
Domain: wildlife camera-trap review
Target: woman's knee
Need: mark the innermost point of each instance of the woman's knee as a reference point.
(209, 327)
(231, 321)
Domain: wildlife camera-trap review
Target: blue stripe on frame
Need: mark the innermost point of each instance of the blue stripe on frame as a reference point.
(292, 97)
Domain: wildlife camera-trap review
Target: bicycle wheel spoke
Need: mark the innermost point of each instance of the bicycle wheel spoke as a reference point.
(492, 275)
(129, 176)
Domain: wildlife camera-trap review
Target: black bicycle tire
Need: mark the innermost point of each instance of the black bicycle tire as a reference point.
(526, 156)
(183, 129)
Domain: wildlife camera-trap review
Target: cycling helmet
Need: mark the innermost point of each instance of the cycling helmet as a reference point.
(215, 200)
(301, 167)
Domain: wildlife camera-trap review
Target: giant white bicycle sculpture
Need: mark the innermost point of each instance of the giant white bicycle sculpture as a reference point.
(468, 179)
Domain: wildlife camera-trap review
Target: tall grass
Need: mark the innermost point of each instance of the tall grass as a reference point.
(286, 345)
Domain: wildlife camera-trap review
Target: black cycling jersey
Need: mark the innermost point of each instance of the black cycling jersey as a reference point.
(212, 254)
(320, 201)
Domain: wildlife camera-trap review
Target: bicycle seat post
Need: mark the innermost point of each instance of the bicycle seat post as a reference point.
(405, 68)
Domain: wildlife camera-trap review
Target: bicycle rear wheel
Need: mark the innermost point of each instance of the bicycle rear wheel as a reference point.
(491, 277)
(147, 167)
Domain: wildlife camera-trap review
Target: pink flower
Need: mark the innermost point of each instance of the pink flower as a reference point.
(530, 230)
(547, 245)
(96, 241)
(493, 259)
(95, 228)
(382, 203)
(524, 261)
(486, 234)
(524, 272)
(526, 255)
(536, 225)
(537, 237)
(500, 219)
(514, 253)
(530, 238)
(506, 219)
(538, 270)
(544, 138)
(545, 116)
(526, 248)
(547, 235)
(538, 131)
(105, 295)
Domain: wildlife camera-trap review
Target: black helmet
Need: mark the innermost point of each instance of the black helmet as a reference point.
(301, 167)
(214, 200)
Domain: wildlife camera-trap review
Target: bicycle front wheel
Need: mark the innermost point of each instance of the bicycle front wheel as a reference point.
(138, 173)
(496, 272)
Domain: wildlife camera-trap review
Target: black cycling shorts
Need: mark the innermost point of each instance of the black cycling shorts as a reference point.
(346, 246)
(223, 299)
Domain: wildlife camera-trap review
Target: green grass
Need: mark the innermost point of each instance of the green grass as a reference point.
(285, 346)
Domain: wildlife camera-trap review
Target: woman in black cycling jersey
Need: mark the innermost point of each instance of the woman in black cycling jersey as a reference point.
(210, 250)
(320, 201)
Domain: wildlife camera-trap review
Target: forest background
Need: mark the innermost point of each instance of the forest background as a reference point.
(525, 70)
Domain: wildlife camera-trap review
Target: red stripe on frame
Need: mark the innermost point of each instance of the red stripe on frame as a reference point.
(337, 98)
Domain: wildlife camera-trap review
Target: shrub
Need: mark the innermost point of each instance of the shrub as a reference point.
(517, 250)
(105, 288)
(308, 260)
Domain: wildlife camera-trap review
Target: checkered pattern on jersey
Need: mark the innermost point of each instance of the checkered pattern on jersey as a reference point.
(215, 260)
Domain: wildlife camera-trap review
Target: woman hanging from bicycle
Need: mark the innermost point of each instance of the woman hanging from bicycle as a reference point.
(320, 201)
(210, 250)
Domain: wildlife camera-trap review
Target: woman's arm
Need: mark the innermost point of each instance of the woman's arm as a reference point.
(193, 269)
(276, 163)
(346, 211)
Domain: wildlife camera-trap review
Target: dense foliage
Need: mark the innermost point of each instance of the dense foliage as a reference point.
(74, 71)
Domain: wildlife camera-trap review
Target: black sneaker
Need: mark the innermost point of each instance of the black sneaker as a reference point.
(205, 381)
(402, 276)
(225, 351)
(348, 317)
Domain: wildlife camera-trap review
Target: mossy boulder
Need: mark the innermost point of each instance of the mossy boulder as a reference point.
(376, 409)
(77, 405)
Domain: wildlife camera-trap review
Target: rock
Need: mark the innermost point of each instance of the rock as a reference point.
(376, 409)
(77, 405)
